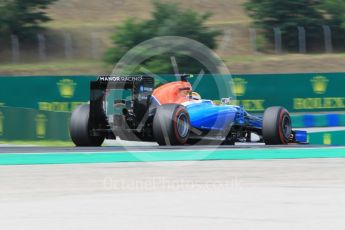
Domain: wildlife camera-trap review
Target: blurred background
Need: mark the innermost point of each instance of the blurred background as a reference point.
(279, 52)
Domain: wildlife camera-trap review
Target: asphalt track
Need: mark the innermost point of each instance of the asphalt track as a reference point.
(206, 191)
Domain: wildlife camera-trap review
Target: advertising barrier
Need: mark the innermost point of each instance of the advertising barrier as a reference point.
(327, 138)
(29, 124)
(38, 108)
(318, 120)
(64, 93)
(45, 93)
(310, 92)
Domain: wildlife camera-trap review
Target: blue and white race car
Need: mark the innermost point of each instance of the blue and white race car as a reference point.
(172, 114)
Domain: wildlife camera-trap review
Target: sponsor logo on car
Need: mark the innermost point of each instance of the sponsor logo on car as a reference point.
(120, 78)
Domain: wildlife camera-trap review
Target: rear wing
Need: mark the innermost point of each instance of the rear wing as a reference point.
(120, 82)
(141, 86)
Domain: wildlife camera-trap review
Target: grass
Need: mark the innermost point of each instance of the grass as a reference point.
(59, 67)
(289, 63)
(236, 64)
(78, 13)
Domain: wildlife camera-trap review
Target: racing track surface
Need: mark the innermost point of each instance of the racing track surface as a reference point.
(193, 194)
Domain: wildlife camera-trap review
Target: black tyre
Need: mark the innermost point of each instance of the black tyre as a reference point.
(171, 125)
(276, 128)
(80, 128)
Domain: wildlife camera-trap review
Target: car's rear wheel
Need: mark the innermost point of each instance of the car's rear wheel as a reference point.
(171, 125)
(80, 128)
(276, 128)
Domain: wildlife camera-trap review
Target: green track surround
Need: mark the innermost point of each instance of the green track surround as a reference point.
(177, 155)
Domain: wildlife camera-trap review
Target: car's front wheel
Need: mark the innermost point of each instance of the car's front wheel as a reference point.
(276, 129)
(171, 125)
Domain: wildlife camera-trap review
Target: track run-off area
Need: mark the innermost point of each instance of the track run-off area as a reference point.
(189, 187)
(73, 155)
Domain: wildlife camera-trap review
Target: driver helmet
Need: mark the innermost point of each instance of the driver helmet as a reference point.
(195, 96)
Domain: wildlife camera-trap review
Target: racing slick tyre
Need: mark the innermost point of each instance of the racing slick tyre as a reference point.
(276, 128)
(80, 128)
(171, 125)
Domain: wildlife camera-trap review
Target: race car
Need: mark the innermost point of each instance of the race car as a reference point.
(130, 108)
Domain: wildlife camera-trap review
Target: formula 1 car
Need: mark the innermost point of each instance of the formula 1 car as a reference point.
(171, 114)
